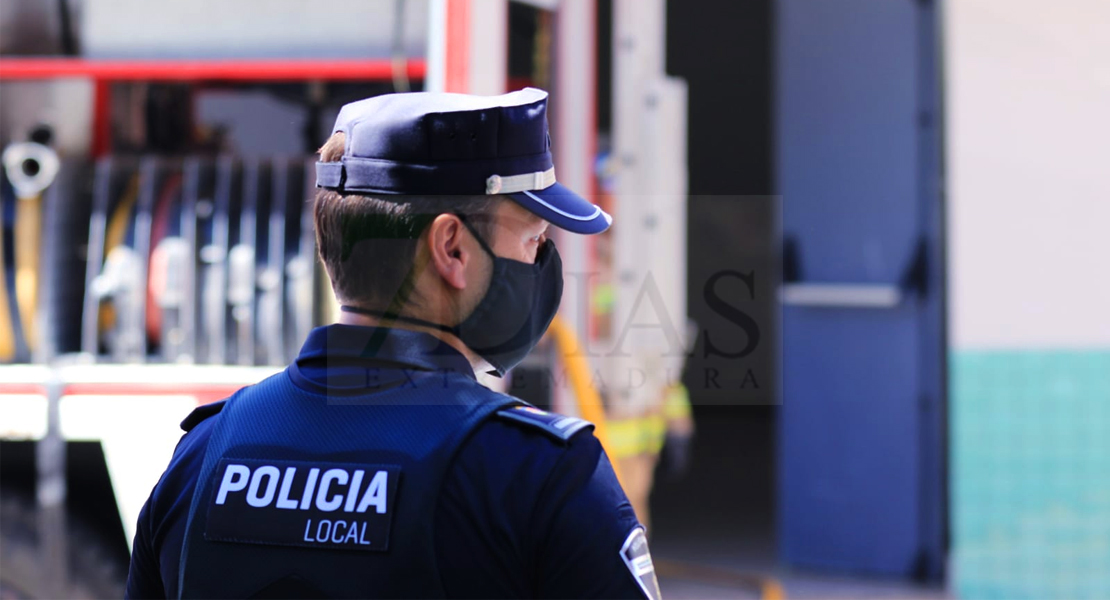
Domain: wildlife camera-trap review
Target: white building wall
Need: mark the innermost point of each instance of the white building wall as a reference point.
(1028, 153)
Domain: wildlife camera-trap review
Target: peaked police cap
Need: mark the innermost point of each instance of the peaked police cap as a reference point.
(435, 143)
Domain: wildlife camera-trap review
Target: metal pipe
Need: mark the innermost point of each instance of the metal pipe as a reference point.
(50, 462)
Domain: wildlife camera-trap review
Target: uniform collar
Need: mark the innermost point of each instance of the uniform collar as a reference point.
(356, 359)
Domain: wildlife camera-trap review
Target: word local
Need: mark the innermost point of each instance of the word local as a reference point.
(338, 532)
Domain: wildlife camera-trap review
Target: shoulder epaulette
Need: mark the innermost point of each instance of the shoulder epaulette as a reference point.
(201, 413)
(560, 427)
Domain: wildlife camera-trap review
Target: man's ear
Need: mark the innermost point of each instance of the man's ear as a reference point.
(448, 253)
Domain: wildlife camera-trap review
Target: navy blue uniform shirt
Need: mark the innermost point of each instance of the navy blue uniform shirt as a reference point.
(521, 513)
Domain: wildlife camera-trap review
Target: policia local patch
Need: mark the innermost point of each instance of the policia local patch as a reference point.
(308, 504)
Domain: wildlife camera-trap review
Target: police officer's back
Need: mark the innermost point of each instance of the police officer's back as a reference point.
(375, 465)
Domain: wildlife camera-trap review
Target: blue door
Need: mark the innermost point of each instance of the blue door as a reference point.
(861, 447)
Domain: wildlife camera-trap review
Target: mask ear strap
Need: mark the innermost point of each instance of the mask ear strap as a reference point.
(474, 232)
(392, 316)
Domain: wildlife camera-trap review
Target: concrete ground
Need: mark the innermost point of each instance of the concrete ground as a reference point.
(806, 587)
(704, 569)
(738, 558)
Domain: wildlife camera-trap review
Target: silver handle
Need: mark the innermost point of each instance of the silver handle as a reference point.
(841, 295)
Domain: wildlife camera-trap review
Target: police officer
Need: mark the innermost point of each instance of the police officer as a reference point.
(375, 465)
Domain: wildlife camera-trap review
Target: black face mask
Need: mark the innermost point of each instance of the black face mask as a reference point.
(516, 310)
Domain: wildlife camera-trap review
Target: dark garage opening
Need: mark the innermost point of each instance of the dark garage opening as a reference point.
(722, 511)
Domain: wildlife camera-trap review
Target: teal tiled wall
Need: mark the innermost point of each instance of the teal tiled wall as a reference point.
(1030, 473)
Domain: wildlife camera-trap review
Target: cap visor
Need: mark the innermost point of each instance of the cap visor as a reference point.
(564, 209)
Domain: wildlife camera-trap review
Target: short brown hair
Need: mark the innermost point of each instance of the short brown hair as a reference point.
(368, 243)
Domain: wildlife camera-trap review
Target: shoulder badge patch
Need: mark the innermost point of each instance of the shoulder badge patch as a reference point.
(637, 558)
(560, 427)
